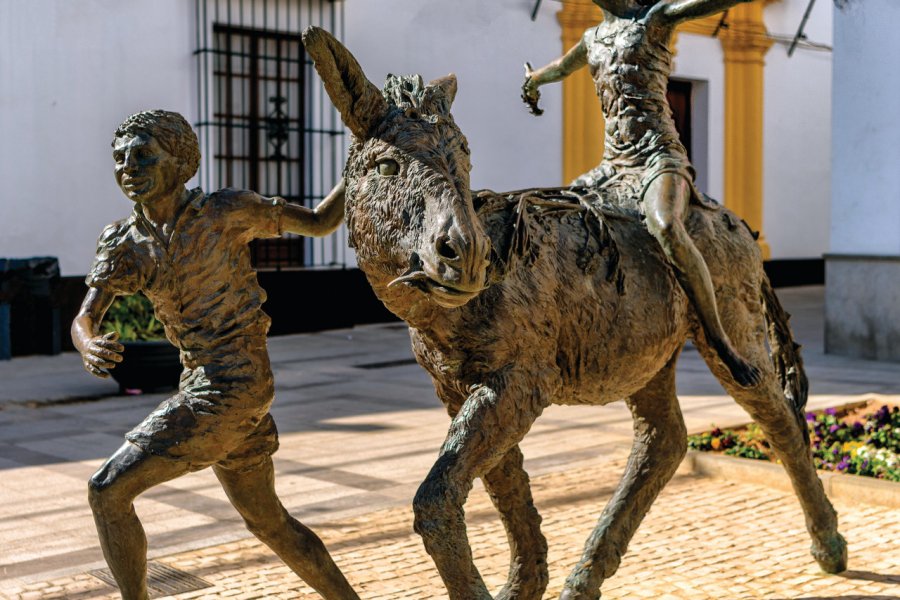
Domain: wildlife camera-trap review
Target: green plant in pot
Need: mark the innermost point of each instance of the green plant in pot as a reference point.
(150, 360)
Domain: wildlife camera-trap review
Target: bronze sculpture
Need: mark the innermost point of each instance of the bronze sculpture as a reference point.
(519, 300)
(187, 251)
(629, 58)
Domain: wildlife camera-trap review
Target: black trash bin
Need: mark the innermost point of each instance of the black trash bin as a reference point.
(29, 311)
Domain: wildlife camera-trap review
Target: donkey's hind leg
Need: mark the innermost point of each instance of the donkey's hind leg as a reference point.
(781, 424)
(660, 443)
(507, 484)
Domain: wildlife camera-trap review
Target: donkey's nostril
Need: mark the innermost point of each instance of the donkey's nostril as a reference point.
(446, 250)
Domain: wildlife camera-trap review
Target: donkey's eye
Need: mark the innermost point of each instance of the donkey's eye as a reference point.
(387, 167)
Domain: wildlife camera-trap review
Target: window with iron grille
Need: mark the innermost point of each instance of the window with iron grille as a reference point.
(266, 123)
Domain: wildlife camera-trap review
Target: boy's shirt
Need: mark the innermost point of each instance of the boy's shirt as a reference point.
(201, 282)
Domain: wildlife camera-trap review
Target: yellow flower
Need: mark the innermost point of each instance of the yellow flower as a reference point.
(851, 447)
(716, 443)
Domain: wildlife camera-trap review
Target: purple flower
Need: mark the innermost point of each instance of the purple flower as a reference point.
(836, 451)
(845, 462)
(833, 428)
(810, 417)
(831, 411)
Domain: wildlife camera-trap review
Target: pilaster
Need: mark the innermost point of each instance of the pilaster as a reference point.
(583, 123)
(745, 43)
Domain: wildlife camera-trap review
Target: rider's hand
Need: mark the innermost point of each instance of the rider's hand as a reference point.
(103, 352)
(530, 93)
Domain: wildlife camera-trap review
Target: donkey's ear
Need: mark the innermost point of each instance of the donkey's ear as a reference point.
(443, 89)
(357, 99)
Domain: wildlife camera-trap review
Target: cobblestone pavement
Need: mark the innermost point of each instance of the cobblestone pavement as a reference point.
(360, 427)
(702, 539)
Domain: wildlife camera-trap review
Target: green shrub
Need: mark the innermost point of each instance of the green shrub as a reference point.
(134, 319)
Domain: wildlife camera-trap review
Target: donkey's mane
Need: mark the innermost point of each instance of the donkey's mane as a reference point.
(530, 205)
(409, 92)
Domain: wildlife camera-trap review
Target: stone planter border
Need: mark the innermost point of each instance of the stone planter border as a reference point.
(852, 489)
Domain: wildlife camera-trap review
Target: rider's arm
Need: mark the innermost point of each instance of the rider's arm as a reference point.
(319, 221)
(686, 10)
(99, 352)
(560, 68)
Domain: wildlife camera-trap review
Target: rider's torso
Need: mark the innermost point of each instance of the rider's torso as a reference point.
(630, 62)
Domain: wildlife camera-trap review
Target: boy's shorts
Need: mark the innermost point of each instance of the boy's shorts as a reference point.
(220, 416)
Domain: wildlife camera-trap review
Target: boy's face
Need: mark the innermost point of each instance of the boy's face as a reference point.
(144, 170)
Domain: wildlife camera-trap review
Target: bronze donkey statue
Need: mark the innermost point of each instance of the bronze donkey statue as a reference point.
(516, 301)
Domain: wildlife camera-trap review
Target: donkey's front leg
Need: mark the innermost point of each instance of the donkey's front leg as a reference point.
(491, 421)
(660, 443)
(510, 491)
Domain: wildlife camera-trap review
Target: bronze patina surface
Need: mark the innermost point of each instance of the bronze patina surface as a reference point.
(187, 251)
(519, 300)
(644, 163)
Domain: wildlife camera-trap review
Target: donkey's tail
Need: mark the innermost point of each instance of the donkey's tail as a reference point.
(786, 356)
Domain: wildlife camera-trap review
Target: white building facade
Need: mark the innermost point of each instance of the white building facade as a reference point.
(70, 72)
(862, 298)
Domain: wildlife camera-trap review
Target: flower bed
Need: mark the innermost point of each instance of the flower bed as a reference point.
(861, 441)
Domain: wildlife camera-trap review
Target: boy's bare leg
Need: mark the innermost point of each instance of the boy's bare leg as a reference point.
(666, 201)
(111, 491)
(253, 495)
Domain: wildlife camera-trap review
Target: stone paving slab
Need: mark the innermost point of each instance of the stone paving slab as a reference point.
(703, 539)
(354, 440)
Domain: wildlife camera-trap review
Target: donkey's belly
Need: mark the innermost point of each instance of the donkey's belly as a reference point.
(614, 337)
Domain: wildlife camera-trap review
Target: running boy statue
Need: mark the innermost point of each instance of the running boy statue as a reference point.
(187, 251)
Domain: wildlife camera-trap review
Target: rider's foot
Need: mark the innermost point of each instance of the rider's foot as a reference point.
(745, 374)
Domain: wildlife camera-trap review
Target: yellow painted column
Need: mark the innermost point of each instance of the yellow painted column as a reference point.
(582, 118)
(745, 44)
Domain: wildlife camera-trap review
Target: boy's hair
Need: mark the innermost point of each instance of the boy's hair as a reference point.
(172, 132)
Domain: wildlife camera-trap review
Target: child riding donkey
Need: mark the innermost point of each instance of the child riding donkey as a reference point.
(630, 61)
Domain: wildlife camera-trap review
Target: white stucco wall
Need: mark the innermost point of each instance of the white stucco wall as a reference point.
(797, 134)
(699, 59)
(485, 44)
(70, 72)
(866, 172)
(796, 130)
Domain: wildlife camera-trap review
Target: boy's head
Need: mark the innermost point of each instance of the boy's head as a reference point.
(173, 133)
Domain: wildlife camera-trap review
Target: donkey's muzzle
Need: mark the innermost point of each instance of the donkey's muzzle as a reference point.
(458, 261)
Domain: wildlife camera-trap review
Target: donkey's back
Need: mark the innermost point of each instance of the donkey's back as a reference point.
(586, 283)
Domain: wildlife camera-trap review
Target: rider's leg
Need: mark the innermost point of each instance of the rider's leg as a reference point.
(666, 201)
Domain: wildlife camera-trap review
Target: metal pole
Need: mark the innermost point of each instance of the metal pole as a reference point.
(800, 35)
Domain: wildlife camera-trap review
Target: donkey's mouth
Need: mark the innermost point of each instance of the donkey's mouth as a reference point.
(440, 293)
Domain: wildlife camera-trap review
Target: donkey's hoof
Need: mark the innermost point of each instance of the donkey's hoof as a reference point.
(831, 553)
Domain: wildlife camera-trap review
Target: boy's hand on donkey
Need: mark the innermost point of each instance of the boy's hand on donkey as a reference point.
(530, 94)
(103, 352)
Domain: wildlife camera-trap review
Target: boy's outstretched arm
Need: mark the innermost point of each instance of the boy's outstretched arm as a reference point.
(557, 70)
(318, 222)
(686, 10)
(98, 352)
